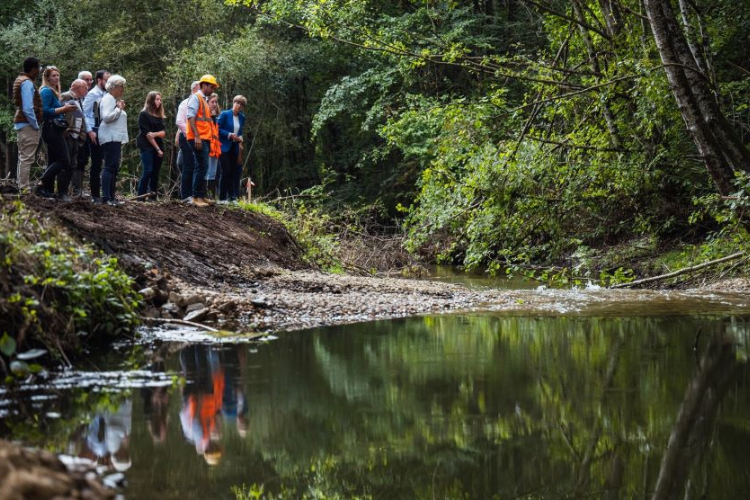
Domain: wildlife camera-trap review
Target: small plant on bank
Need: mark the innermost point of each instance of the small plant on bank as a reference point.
(56, 292)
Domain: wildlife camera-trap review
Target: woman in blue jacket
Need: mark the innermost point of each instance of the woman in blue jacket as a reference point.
(231, 123)
(58, 164)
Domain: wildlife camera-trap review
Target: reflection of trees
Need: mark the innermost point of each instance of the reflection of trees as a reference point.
(689, 439)
(553, 407)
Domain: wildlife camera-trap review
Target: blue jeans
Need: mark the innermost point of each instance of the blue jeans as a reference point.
(112, 156)
(149, 182)
(213, 163)
(201, 167)
(188, 168)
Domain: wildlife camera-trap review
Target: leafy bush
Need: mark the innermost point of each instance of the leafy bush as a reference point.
(55, 291)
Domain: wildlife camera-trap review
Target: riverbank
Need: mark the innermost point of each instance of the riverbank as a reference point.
(239, 271)
(235, 270)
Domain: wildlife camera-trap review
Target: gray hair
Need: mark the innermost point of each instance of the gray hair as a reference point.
(114, 81)
(83, 74)
(194, 86)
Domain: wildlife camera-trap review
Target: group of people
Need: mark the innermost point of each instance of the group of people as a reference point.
(89, 122)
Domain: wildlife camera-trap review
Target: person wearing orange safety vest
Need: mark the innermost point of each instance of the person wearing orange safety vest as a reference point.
(199, 135)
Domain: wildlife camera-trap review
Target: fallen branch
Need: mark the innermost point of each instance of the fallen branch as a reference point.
(681, 271)
(142, 196)
(179, 322)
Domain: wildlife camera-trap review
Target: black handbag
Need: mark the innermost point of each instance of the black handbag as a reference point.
(59, 122)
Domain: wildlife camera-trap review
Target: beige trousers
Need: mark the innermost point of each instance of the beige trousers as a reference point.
(28, 143)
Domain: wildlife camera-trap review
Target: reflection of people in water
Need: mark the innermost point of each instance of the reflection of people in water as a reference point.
(202, 401)
(108, 438)
(156, 407)
(213, 395)
(234, 407)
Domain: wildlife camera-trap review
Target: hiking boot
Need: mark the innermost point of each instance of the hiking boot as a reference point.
(43, 192)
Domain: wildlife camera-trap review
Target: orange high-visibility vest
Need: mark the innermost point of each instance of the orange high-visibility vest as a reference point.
(202, 121)
(215, 143)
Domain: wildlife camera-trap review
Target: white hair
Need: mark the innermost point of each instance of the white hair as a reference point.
(194, 85)
(114, 81)
(83, 74)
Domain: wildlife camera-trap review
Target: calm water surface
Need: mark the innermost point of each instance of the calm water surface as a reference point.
(476, 406)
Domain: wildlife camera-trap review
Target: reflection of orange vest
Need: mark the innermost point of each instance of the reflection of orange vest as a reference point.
(202, 121)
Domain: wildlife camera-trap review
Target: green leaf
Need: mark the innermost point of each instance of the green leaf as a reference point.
(7, 345)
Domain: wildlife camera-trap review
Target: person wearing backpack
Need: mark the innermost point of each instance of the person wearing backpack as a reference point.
(93, 120)
(27, 120)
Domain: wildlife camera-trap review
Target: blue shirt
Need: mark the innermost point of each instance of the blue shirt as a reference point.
(94, 96)
(50, 102)
(27, 101)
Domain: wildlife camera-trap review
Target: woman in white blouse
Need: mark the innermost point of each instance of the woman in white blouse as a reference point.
(113, 133)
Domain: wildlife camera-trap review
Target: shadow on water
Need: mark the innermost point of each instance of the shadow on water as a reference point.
(470, 406)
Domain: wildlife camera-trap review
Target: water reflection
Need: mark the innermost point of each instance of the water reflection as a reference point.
(106, 439)
(476, 407)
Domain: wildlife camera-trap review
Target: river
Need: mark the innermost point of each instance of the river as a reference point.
(480, 405)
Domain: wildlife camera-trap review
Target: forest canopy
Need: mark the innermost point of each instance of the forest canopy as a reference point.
(495, 131)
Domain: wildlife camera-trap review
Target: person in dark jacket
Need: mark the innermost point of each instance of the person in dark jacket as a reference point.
(231, 123)
(150, 142)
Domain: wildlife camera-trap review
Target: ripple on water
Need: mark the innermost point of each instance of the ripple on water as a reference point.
(601, 301)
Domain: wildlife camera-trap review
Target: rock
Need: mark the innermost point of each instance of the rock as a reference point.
(176, 298)
(195, 307)
(228, 306)
(148, 293)
(198, 315)
(170, 310)
(260, 302)
(194, 299)
(152, 312)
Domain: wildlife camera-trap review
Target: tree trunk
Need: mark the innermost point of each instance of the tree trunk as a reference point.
(609, 117)
(719, 147)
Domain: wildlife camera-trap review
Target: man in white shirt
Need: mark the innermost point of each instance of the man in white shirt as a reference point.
(91, 113)
(186, 159)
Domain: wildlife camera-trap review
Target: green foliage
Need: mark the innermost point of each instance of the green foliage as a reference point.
(59, 292)
(320, 481)
(503, 132)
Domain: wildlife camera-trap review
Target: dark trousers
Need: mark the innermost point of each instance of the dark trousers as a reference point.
(228, 174)
(112, 157)
(97, 158)
(149, 182)
(201, 167)
(58, 162)
(188, 168)
(238, 177)
(74, 149)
